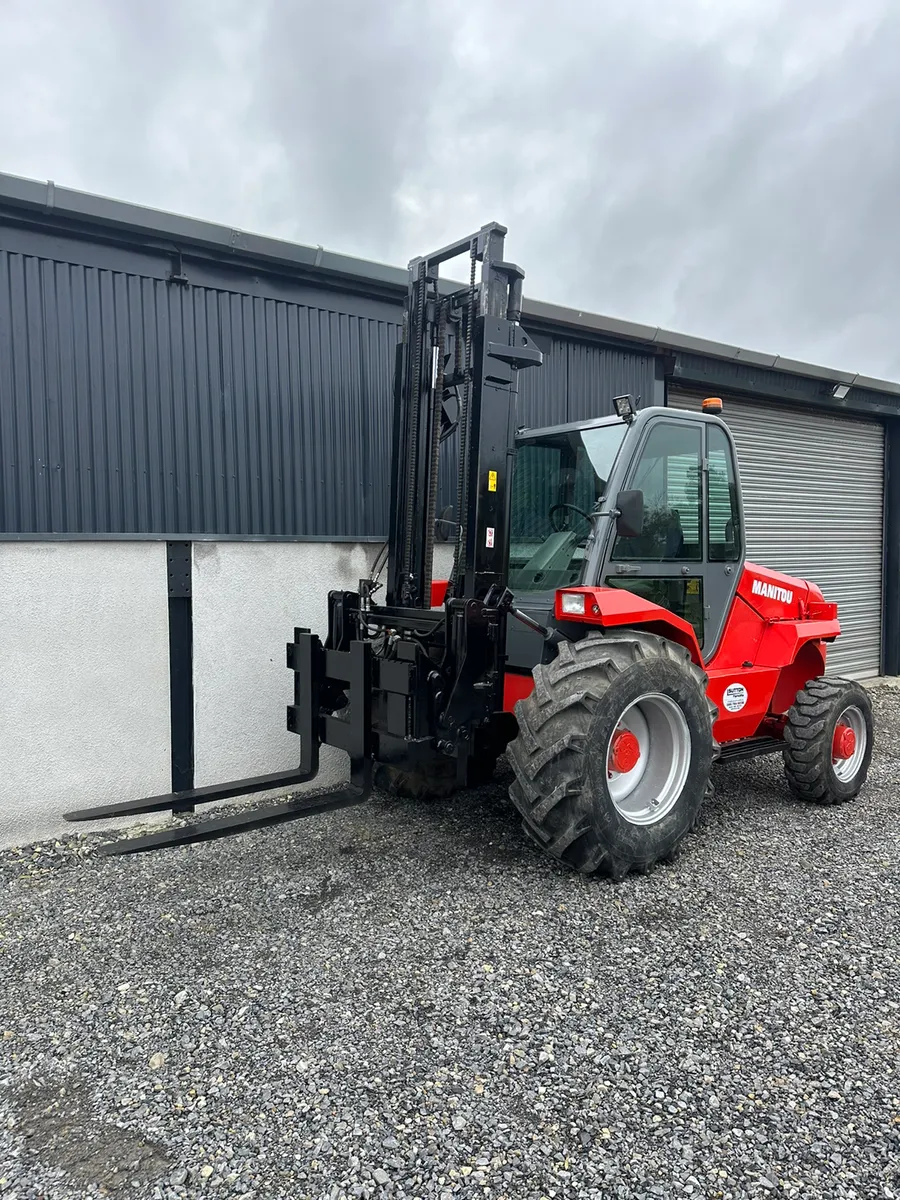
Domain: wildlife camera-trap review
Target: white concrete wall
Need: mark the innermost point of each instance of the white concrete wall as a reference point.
(247, 598)
(84, 668)
(84, 680)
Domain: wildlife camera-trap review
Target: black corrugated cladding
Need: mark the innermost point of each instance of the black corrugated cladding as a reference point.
(132, 404)
(143, 393)
(754, 381)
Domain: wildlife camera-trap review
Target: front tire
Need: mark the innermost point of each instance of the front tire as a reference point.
(614, 751)
(821, 762)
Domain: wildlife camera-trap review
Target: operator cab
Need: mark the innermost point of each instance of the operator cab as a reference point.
(680, 544)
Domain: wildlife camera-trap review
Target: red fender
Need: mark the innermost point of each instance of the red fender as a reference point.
(611, 607)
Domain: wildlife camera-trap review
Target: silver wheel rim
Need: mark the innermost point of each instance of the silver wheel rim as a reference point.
(646, 793)
(846, 769)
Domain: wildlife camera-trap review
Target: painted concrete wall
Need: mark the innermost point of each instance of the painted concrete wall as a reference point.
(84, 680)
(84, 669)
(247, 598)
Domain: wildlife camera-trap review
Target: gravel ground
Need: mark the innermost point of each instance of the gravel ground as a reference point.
(409, 1000)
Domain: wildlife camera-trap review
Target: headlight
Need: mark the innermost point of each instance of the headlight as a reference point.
(573, 602)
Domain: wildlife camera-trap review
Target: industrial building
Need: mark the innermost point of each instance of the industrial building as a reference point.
(195, 446)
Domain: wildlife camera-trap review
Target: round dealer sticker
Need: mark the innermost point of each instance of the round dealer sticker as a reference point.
(735, 697)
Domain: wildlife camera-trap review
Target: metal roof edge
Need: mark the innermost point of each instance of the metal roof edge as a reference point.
(48, 197)
(556, 314)
(667, 339)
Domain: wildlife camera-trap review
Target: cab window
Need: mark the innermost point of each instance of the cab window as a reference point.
(668, 473)
(683, 597)
(558, 481)
(724, 515)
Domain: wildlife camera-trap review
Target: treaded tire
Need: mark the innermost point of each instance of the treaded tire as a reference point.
(808, 737)
(559, 756)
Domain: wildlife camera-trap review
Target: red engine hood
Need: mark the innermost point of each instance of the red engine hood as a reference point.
(776, 596)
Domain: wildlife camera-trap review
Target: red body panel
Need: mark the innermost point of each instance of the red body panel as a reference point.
(780, 626)
(516, 687)
(774, 641)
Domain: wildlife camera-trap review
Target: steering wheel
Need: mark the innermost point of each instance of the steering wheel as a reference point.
(573, 507)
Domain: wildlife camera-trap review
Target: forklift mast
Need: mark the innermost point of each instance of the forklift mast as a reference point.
(456, 373)
(438, 655)
(419, 677)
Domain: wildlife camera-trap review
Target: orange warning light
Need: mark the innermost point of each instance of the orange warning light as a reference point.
(712, 404)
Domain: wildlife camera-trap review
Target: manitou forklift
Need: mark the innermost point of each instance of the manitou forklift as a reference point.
(600, 624)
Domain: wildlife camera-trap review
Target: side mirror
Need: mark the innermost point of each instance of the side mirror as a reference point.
(630, 521)
(445, 528)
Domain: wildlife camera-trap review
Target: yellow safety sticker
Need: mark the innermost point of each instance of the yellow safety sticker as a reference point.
(492, 481)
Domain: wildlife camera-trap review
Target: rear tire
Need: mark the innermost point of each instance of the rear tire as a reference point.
(579, 809)
(813, 771)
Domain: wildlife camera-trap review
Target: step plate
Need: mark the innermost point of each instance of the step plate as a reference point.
(749, 748)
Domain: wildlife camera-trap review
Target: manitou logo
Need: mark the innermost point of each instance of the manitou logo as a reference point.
(771, 592)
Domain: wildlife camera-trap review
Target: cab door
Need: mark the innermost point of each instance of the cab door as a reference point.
(687, 555)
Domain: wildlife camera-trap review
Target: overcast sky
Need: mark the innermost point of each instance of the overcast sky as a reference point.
(725, 168)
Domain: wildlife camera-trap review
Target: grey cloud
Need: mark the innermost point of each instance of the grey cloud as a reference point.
(747, 200)
(344, 87)
(730, 171)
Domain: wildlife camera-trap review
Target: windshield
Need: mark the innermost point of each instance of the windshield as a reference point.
(558, 480)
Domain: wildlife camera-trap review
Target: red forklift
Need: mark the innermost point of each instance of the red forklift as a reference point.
(600, 624)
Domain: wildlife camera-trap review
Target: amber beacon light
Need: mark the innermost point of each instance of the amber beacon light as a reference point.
(712, 404)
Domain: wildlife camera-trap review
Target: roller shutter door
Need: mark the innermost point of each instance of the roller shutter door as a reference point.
(813, 488)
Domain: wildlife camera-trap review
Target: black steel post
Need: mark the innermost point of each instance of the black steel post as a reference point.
(181, 667)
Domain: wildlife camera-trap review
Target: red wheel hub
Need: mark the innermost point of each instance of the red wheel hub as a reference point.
(844, 744)
(625, 752)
